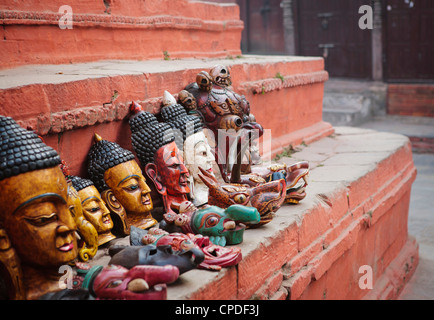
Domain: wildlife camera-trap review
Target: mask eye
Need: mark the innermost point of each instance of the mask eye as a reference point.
(72, 210)
(240, 198)
(211, 221)
(131, 188)
(43, 220)
(114, 284)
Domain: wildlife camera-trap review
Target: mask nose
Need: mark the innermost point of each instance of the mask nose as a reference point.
(183, 169)
(144, 187)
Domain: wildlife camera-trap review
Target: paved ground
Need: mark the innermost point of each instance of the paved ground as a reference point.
(421, 214)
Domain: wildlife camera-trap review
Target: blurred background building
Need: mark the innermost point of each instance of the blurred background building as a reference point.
(388, 69)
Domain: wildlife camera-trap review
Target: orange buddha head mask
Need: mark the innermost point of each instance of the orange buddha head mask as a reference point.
(114, 168)
(34, 211)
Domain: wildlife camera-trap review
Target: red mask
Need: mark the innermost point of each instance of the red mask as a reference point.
(171, 170)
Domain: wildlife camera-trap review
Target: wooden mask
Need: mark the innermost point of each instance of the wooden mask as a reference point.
(37, 229)
(120, 181)
(95, 211)
(129, 187)
(40, 226)
(87, 231)
(169, 175)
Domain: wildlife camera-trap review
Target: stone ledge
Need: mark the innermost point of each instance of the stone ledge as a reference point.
(66, 104)
(355, 214)
(31, 32)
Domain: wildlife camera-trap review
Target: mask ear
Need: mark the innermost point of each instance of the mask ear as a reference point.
(152, 172)
(117, 212)
(10, 268)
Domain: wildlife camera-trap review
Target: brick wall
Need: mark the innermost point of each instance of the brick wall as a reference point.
(411, 99)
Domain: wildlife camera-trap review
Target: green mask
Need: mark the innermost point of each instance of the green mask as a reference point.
(224, 226)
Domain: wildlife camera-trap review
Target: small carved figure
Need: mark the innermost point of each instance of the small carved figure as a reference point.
(227, 115)
(188, 101)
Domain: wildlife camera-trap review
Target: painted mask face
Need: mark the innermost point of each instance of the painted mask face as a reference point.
(224, 226)
(86, 230)
(197, 154)
(37, 218)
(171, 169)
(138, 283)
(95, 210)
(129, 187)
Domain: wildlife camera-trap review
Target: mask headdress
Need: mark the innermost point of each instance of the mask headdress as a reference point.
(148, 135)
(79, 183)
(104, 155)
(22, 151)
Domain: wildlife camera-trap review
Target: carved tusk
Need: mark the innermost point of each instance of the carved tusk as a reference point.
(230, 225)
(138, 285)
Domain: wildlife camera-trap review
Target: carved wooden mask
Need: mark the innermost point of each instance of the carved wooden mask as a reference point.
(129, 186)
(95, 211)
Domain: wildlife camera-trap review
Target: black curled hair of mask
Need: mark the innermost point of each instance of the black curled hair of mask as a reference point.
(184, 125)
(79, 183)
(22, 150)
(102, 156)
(148, 135)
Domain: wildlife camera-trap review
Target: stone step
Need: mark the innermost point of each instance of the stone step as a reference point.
(353, 218)
(352, 102)
(420, 130)
(42, 32)
(67, 103)
(346, 109)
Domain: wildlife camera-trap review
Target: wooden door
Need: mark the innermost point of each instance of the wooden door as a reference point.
(409, 40)
(331, 29)
(263, 26)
